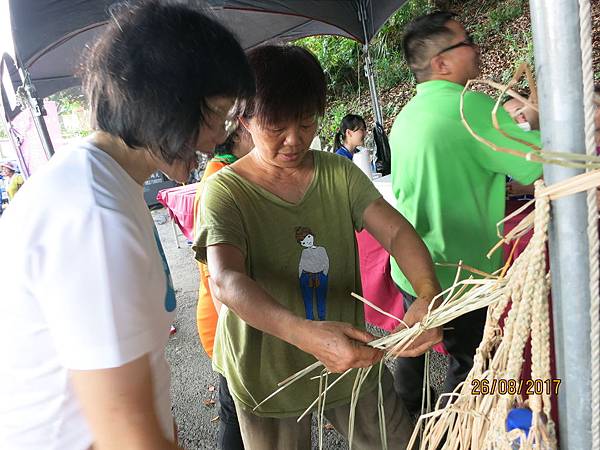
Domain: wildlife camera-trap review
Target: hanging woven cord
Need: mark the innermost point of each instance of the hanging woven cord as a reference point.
(594, 248)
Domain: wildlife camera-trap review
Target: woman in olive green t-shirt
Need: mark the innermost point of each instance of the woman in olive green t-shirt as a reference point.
(277, 230)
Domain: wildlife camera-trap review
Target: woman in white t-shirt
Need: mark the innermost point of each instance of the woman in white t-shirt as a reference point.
(86, 314)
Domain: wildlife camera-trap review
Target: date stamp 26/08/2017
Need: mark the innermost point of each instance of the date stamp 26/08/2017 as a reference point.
(511, 386)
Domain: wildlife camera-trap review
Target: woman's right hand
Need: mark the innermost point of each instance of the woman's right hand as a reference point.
(339, 346)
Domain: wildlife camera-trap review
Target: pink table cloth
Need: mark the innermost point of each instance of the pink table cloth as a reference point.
(179, 202)
(378, 286)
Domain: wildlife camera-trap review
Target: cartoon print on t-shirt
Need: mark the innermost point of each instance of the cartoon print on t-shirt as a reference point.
(313, 273)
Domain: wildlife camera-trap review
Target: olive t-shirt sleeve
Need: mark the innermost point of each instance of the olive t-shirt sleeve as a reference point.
(220, 220)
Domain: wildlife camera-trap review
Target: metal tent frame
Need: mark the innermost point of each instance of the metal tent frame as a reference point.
(558, 61)
(50, 35)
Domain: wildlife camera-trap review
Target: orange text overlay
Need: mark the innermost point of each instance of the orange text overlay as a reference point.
(513, 386)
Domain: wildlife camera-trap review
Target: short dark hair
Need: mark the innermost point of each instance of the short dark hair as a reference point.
(149, 75)
(228, 147)
(421, 36)
(349, 122)
(302, 232)
(290, 84)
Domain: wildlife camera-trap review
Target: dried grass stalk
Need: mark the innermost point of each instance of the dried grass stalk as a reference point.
(564, 159)
(478, 421)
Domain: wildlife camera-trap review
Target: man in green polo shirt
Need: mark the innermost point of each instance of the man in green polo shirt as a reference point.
(447, 184)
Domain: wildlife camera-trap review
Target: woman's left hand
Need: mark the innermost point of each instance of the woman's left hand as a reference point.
(339, 346)
(417, 311)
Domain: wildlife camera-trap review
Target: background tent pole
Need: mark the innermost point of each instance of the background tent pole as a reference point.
(28, 97)
(384, 156)
(558, 61)
(369, 73)
(8, 111)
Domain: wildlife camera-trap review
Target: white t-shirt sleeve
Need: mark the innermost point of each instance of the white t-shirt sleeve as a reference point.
(100, 285)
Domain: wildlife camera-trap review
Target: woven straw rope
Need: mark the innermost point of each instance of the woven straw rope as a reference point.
(594, 247)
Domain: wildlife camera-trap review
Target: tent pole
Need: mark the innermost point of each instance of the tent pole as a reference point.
(7, 113)
(28, 97)
(558, 61)
(369, 73)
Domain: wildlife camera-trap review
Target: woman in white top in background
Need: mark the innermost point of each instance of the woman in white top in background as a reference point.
(86, 315)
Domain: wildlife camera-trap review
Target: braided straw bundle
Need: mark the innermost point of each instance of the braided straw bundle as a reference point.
(478, 421)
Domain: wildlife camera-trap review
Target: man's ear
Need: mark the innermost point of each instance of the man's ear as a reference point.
(440, 66)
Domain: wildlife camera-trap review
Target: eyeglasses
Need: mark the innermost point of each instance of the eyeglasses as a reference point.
(467, 42)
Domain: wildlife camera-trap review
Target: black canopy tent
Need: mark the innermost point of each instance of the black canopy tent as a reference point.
(49, 36)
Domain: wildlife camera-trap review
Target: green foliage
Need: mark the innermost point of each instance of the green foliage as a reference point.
(505, 12)
(343, 63)
(497, 18)
(339, 57)
(392, 71)
(398, 21)
(76, 133)
(68, 100)
(386, 47)
(70, 103)
(518, 45)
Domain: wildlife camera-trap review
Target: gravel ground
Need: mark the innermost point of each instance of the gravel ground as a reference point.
(194, 384)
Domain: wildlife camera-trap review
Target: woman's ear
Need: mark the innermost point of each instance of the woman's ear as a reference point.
(245, 123)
